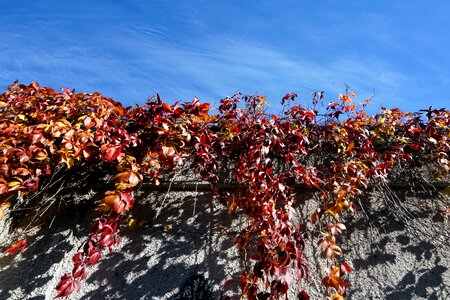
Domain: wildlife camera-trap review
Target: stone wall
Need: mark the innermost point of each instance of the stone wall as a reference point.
(396, 245)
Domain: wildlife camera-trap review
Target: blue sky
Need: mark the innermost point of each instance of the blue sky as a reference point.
(130, 50)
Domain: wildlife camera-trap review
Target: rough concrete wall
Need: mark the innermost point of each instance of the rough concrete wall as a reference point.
(398, 249)
(393, 258)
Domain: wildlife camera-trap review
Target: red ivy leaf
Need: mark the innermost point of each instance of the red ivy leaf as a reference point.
(67, 286)
(345, 268)
(303, 295)
(225, 287)
(111, 152)
(79, 271)
(94, 256)
(16, 246)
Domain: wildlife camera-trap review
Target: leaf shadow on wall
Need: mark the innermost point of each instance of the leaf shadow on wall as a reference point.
(155, 260)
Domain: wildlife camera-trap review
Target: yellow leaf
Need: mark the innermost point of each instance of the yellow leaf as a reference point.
(41, 156)
(332, 211)
(123, 186)
(103, 208)
(130, 222)
(336, 297)
(362, 164)
(446, 191)
(68, 160)
(2, 104)
(13, 183)
(167, 227)
(404, 140)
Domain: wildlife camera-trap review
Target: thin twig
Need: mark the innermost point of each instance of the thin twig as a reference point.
(49, 226)
(50, 201)
(165, 196)
(195, 199)
(372, 226)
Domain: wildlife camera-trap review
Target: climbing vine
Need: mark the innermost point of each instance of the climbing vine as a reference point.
(336, 150)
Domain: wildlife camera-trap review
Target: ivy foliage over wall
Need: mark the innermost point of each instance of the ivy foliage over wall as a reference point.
(336, 150)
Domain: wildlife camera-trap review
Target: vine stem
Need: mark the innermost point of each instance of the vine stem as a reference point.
(165, 196)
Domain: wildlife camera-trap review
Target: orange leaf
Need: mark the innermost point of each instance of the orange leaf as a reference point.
(122, 177)
(350, 147)
(111, 152)
(167, 107)
(3, 188)
(86, 153)
(88, 123)
(203, 109)
(21, 171)
(111, 199)
(168, 151)
(133, 178)
(340, 196)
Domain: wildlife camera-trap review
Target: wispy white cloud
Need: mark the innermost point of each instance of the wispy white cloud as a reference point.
(212, 67)
(223, 64)
(134, 59)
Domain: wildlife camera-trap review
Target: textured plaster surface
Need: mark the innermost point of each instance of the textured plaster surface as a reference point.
(396, 253)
